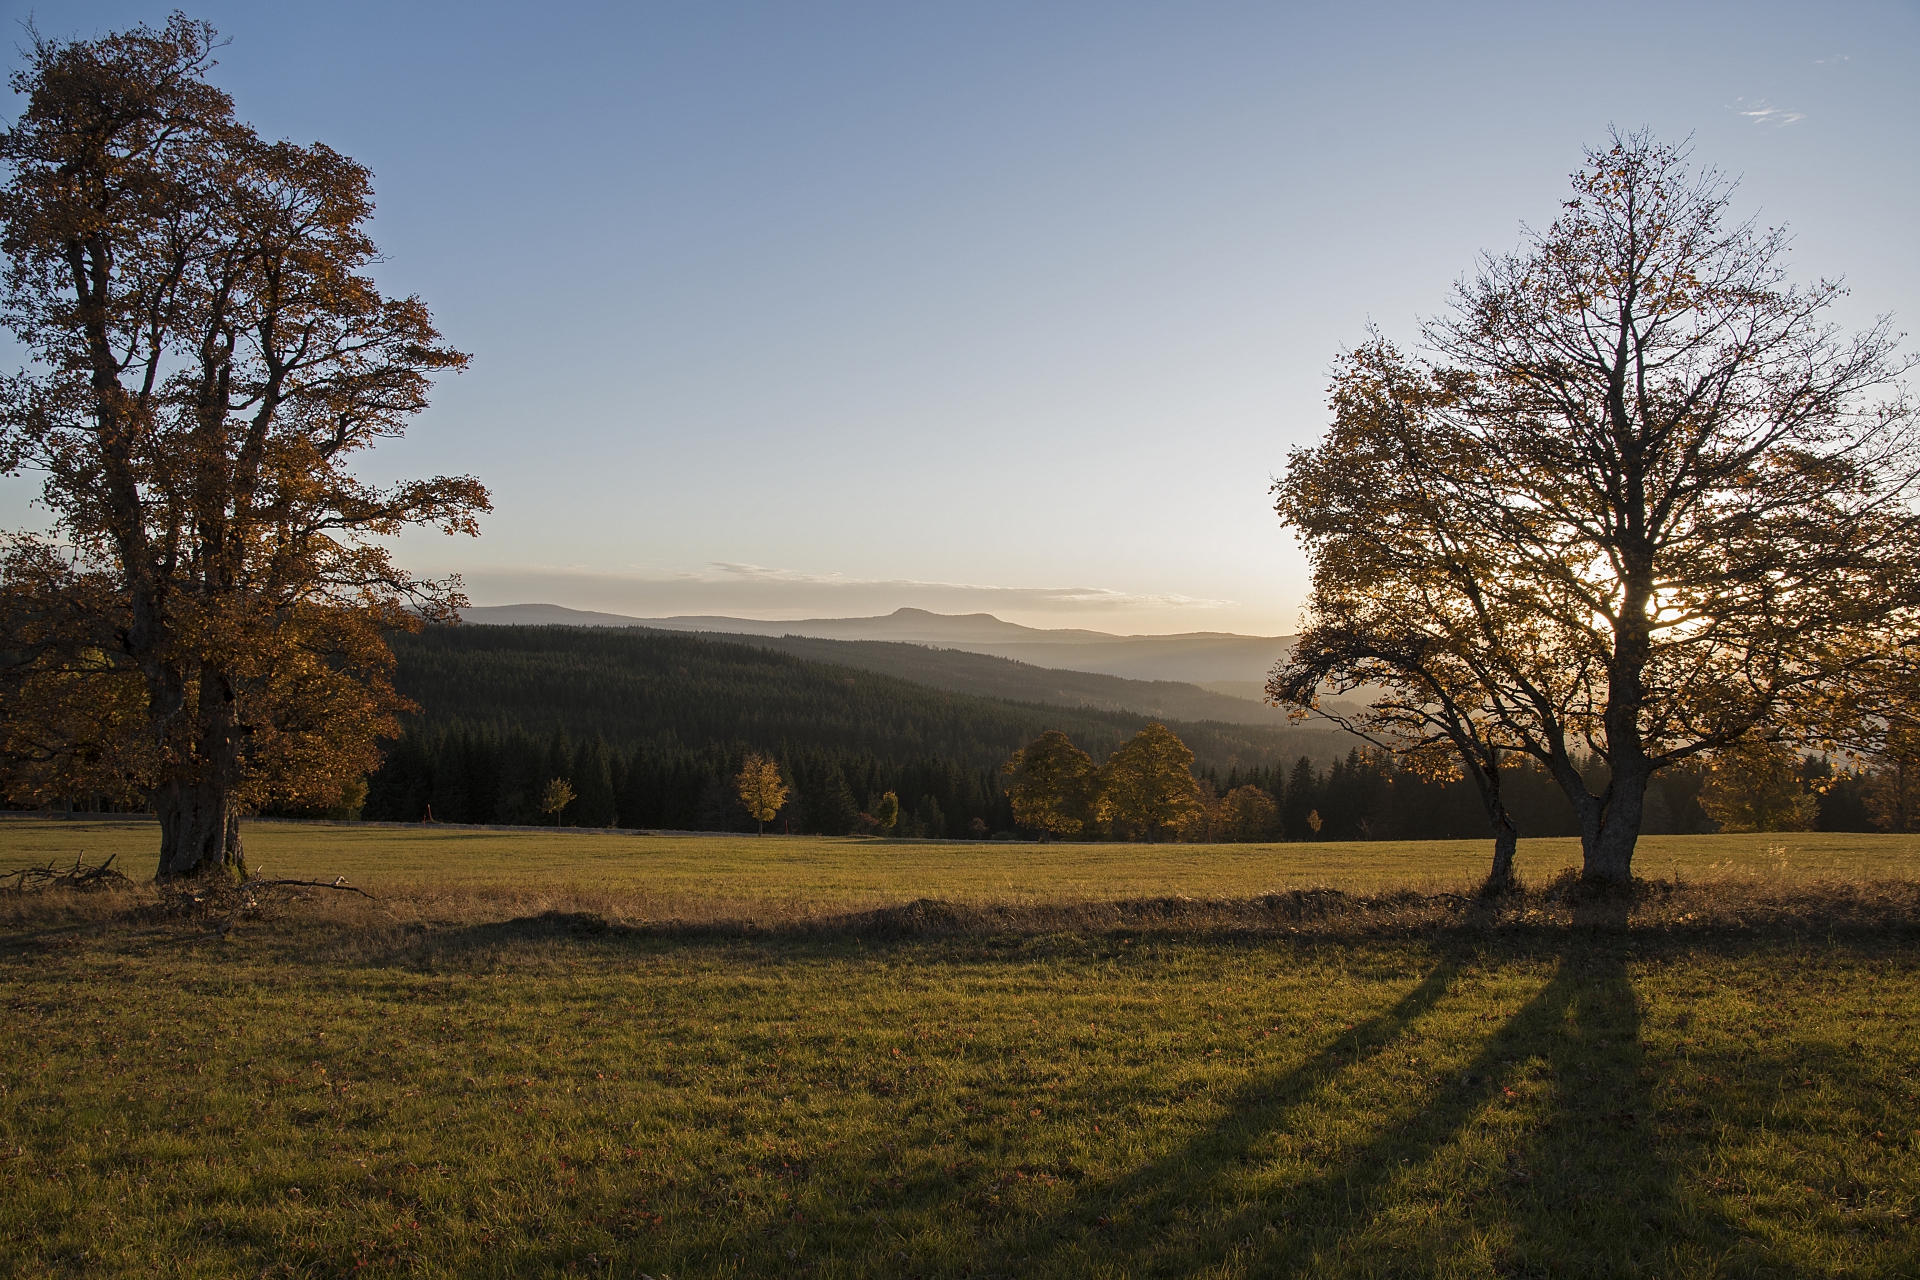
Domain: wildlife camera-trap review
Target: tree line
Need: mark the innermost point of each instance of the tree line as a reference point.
(482, 774)
(1057, 790)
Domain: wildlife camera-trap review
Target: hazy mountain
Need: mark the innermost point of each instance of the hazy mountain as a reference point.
(1240, 663)
(674, 692)
(994, 677)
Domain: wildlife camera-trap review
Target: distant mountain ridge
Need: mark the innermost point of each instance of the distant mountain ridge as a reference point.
(990, 676)
(1239, 663)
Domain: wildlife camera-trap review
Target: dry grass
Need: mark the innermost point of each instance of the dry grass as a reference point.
(403, 913)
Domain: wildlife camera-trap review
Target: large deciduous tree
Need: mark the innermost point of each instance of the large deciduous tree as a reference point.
(1638, 500)
(1148, 784)
(208, 353)
(1053, 785)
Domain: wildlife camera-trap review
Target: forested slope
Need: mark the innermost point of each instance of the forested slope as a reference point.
(661, 690)
(649, 728)
(987, 676)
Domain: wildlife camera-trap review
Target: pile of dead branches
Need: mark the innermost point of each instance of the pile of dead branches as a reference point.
(78, 876)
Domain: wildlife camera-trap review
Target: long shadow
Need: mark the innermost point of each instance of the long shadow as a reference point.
(1578, 1191)
(1592, 1193)
(1138, 1211)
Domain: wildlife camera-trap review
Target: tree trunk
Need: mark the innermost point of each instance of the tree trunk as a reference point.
(1608, 852)
(1506, 836)
(1506, 841)
(1500, 878)
(199, 831)
(199, 822)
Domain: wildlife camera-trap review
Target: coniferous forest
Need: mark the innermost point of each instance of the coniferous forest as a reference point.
(649, 728)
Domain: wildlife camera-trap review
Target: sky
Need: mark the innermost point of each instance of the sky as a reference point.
(819, 310)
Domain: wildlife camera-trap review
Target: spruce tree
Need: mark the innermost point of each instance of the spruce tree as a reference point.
(592, 779)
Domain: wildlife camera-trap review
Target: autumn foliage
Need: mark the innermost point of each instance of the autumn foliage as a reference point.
(209, 354)
(1145, 789)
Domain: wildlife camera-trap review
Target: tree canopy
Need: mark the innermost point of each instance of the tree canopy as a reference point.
(1146, 786)
(1637, 499)
(761, 790)
(208, 354)
(1052, 785)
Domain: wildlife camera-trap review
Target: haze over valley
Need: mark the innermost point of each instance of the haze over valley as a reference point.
(1225, 664)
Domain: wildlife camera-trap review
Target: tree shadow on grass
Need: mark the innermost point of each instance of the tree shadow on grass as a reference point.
(1537, 1158)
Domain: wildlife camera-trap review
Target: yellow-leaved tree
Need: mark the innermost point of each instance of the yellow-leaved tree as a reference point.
(1755, 785)
(1148, 784)
(558, 795)
(1638, 499)
(1248, 813)
(761, 790)
(1052, 785)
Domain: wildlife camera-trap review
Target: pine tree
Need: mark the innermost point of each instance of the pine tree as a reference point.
(1302, 798)
(837, 811)
(592, 778)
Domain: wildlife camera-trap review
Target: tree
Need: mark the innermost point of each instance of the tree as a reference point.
(1202, 824)
(1638, 500)
(1247, 813)
(1892, 792)
(1426, 707)
(1052, 785)
(834, 812)
(208, 355)
(557, 796)
(761, 790)
(886, 813)
(1299, 800)
(1755, 785)
(592, 775)
(1148, 783)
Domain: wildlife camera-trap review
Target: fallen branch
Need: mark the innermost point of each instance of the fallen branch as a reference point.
(248, 903)
(338, 882)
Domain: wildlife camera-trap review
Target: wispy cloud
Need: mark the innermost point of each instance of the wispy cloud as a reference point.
(1838, 57)
(1774, 117)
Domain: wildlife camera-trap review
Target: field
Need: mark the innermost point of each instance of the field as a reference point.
(705, 874)
(574, 1053)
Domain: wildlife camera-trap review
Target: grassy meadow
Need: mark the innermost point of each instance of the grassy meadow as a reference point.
(706, 873)
(514, 1062)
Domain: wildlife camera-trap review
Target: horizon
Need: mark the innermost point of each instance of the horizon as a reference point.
(894, 613)
(988, 310)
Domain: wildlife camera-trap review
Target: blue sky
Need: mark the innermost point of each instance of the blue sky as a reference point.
(792, 310)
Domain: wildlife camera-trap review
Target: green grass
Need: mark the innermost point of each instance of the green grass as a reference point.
(395, 1089)
(857, 872)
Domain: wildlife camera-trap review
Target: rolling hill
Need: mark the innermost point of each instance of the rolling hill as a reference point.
(1196, 657)
(642, 687)
(962, 671)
